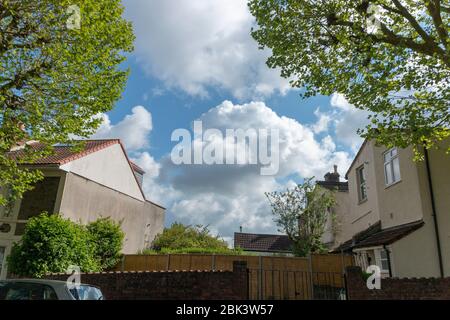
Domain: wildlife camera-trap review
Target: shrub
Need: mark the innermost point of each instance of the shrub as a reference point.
(107, 237)
(51, 244)
(189, 239)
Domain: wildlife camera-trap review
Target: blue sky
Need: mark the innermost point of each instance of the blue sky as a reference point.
(196, 60)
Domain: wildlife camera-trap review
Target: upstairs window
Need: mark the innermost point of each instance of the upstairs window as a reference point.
(361, 180)
(391, 167)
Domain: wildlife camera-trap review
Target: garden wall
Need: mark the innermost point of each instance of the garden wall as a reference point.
(397, 289)
(169, 285)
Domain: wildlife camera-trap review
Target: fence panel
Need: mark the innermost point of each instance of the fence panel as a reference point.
(269, 277)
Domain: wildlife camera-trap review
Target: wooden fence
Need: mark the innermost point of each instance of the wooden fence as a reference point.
(270, 277)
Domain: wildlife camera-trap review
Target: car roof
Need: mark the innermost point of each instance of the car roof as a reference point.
(41, 281)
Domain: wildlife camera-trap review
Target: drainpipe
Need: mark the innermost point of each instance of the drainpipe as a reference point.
(433, 210)
(388, 254)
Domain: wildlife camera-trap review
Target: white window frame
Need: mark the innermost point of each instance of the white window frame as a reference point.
(390, 162)
(361, 184)
(379, 259)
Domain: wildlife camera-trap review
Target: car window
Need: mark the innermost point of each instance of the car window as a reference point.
(85, 292)
(26, 291)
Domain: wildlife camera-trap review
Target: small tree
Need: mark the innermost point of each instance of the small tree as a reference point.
(302, 213)
(107, 237)
(51, 244)
(190, 238)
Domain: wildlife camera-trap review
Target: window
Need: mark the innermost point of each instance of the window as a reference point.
(26, 291)
(384, 260)
(84, 292)
(391, 167)
(361, 179)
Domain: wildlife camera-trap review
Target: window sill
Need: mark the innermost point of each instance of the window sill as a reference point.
(392, 184)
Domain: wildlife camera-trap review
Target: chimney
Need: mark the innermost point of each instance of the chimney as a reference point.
(332, 176)
(240, 229)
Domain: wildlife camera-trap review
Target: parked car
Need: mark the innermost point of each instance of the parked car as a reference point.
(37, 289)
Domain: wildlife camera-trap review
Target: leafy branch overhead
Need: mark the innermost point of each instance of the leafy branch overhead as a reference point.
(54, 79)
(389, 57)
(303, 213)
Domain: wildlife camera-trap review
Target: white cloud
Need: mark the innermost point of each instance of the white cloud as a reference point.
(347, 120)
(322, 122)
(133, 130)
(226, 196)
(198, 44)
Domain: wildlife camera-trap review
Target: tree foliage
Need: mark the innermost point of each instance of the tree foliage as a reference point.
(390, 57)
(56, 76)
(107, 237)
(182, 238)
(51, 244)
(302, 213)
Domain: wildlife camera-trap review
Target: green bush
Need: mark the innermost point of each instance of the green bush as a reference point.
(51, 244)
(107, 237)
(180, 237)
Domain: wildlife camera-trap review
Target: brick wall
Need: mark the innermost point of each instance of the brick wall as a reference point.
(397, 289)
(169, 285)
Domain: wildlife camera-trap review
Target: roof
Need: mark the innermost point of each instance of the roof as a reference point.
(262, 242)
(389, 235)
(375, 236)
(64, 153)
(334, 185)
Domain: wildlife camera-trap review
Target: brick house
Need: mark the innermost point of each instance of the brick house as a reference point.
(98, 181)
(393, 211)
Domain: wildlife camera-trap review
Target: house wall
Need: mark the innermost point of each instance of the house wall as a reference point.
(415, 255)
(401, 202)
(342, 224)
(108, 167)
(366, 213)
(85, 200)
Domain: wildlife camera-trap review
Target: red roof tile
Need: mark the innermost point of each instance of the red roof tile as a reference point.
(63, 153)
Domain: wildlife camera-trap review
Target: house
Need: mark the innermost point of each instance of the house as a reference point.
(263, 244)
(396, 211)
(97, 181)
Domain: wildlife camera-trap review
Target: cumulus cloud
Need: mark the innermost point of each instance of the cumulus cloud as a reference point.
(199, 44)
(347, 120)
(225, 197)
(228, 196)
(133, 130)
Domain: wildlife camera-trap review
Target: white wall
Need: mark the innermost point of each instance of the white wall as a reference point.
(108, 167)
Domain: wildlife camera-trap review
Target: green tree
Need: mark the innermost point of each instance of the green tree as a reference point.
(189, 238)
(390, 57)
(59, 68)
(107, 237)
(302, 213)
(51, 244)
